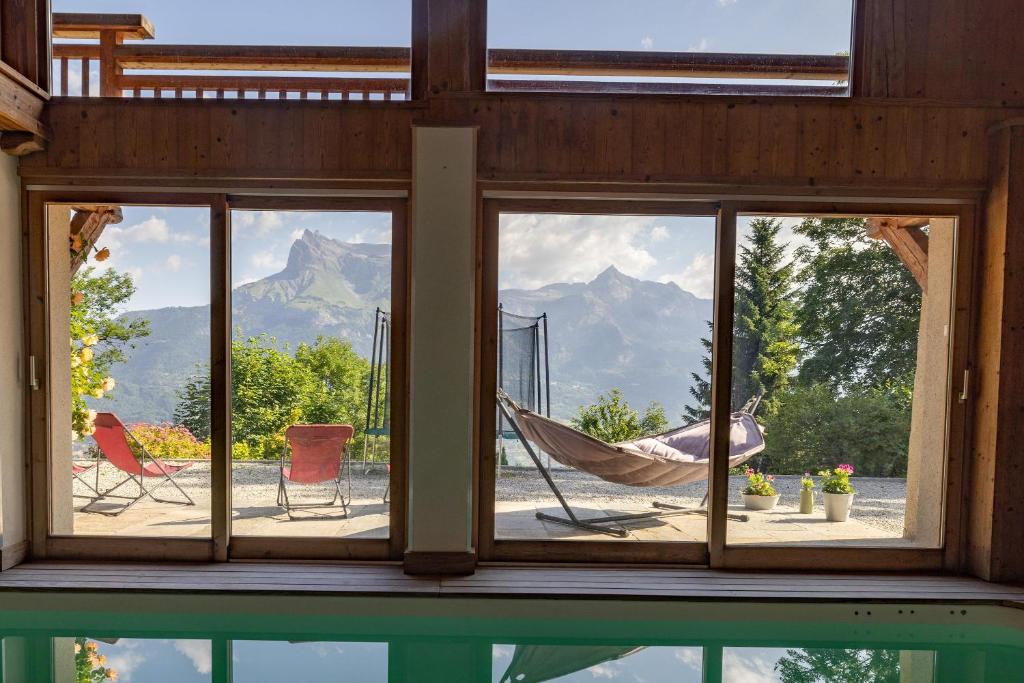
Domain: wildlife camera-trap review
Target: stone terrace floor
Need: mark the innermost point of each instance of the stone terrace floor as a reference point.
(877, 517)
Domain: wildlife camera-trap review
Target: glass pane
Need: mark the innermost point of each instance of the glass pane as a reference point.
(603, 329)
(99, 660)
(801, 29)
(310, 357)
(841, 354)
(800, 665)
(131, 455)
(579, 663)
(353, 23)
(309, 661)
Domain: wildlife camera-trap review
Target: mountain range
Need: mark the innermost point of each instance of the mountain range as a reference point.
(614, 331)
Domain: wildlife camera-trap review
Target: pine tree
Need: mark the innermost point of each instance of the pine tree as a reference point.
(765, 342)
(765, 345)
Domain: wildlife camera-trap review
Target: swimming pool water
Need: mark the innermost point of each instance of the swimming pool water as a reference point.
(164, 638)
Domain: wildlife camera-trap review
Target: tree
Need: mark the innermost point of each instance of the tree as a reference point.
(839, 666)
(341, 379)
(765, 345)
(765, 342)
(700, 388)
(815, 427)
(98, 339)
(611, 419)
(859, 308)
(193, 409)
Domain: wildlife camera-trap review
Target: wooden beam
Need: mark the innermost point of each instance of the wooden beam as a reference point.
(21, 104)
(87, 225)
(89, 26)
(19, 144)
(263, 58)
(908, 240)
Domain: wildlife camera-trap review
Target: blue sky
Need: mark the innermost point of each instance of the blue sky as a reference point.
(800, 26)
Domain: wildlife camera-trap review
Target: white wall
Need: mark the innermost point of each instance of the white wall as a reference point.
(12, 363)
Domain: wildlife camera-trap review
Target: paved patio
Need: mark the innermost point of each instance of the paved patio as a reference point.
(877, 517)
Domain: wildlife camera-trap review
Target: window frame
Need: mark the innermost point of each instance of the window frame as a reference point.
(715, 552)
(222, 545)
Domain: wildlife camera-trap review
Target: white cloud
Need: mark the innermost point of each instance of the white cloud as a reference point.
(698, 277)
(692, 657)
(659, 233)
(538, 249)
(267, 259)
(647, 43)
(699, 46)
(153, 230)
(126, 660)
(382, 236)
(726, 3)
(606, 670)
(296, 235)
(502, 651)
(173, 263)
(740, 666)
(261, 223)
(199, 652)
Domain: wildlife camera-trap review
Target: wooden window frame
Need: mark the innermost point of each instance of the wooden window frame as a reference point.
(715, 551)
(221, 545)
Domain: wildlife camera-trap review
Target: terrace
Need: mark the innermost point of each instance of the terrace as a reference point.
(110, 54)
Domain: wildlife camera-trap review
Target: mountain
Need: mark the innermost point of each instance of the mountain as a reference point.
(615, 331)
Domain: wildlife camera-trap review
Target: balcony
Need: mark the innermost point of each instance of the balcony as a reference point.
(109, 57)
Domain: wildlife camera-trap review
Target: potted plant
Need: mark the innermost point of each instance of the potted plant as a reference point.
(806, 494)
(838, 493)
(759, 493)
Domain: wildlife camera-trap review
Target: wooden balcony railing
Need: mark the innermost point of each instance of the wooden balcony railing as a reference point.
(169, 70)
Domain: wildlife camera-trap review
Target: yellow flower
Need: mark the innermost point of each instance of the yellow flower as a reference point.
(74, 437)
(85, 354)
(97, 392)
(108, 384)
(89, 430)
(103, 660)
(103, 254)
(111, 674)
(91, 646)
(90, 340)
(91, 416)
(77, 298)
(75, 361)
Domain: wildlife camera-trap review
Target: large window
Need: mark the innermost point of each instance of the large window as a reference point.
(831, 430)
(341, 49)
(697, 46)
(220, 374)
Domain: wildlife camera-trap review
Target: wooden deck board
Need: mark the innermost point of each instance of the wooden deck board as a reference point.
(640, 583)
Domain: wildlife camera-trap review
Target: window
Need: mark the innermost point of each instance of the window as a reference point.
(698, 46)
(331, 50)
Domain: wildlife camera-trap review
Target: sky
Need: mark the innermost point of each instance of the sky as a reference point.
(167, 249)
(774, 26)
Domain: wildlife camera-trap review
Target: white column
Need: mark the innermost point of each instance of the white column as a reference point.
(443, 261)
(12, 366)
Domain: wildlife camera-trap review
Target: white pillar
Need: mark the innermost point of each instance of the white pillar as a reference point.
(441, 367)
(13, 532)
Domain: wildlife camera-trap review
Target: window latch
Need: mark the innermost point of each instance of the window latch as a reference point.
(966, 385)
(33, 380)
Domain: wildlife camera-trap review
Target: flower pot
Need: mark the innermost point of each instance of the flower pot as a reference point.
(806, 501)
(759, 502)
(838, 506)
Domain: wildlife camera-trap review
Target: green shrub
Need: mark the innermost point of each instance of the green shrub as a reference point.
(612, 420)
(172, 442)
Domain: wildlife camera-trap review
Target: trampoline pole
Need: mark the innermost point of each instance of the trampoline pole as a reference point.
(501, 372)
(369, 389)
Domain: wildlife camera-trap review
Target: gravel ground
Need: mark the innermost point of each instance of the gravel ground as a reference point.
(880, 502)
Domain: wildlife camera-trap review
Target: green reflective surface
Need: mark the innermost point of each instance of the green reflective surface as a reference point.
(157, 638)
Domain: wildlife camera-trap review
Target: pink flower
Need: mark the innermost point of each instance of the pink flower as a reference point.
(848, 469)
(750, 471)
(770, 477)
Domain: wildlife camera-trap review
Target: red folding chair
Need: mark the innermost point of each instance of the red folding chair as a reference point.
(78, 470)
(317, 456)
(112, 438)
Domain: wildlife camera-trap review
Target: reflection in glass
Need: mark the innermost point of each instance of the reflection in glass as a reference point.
(309, 661)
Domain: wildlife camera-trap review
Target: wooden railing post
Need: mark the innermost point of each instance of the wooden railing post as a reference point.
(110, 71)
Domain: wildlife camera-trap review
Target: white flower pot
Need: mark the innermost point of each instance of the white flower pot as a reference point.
(752, 502)
(838, 506)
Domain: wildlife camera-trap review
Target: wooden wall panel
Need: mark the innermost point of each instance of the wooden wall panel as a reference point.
(941, 49)
(624, 139)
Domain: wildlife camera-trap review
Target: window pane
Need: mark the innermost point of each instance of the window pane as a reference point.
(603, 328)
(579, 663)
(310, 359)
(130, 429)
(309, 661)
(98, 660)
(803, 30)
(841, 353)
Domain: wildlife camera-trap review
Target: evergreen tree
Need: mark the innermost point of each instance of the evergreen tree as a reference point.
(611, 419)
(765, 346)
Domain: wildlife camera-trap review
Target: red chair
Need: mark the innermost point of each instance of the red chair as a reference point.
(78, 470)
(317, 456)
(112, 438)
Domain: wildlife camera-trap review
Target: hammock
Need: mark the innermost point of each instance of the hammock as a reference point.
(678, 456)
